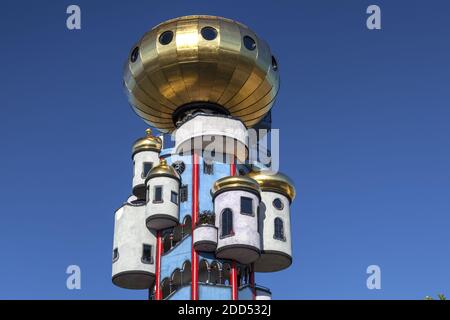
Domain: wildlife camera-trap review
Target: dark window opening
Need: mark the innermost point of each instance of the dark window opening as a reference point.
(184, 193)
(279, 229)
(249, 43)
(246, 205)
(174, 197)
(166, 37)
(227, 222)
(134, 54)
(157, 196)
(115, 254)
(209, 33)
(208, 167)
(278, 204)
(146, 167)
(274, 64)
(147, 254)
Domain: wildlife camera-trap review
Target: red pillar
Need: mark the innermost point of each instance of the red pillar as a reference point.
(195, 203)
(233, 280)
(158, 293)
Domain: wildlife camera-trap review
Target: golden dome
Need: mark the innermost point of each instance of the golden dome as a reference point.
(235, 183)
(275, 182)
(163, 170)
(201, 59)
(147, 143)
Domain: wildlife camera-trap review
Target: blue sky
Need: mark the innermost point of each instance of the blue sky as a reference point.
(364, 119)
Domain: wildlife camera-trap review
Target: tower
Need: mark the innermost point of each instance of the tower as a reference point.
(203, 217)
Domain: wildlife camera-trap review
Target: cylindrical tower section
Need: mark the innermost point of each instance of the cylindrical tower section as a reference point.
(145, 155)
(133, 249)
(277, 193)
(202, 131)
(236, 201)
(163, 188)
(205, 237)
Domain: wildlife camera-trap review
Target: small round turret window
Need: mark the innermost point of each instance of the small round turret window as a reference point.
(278, 204)
(249, 43)
(166, 37)
(209, 33)
(134, 54)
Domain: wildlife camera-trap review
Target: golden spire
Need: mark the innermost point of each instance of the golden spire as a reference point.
(235, 183)
(147, 143)
(274, 182)
(163, 169)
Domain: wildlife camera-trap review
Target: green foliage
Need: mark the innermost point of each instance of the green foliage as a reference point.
(440, 296)
(206, 217)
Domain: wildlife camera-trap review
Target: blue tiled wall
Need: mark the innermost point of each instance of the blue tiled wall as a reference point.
(182, 252)
(214, 292)
(175, 258)
(183, 293)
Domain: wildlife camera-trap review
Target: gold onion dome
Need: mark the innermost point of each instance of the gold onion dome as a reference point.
(200, 59)
(163, 170)
(235, 183)
(147, 143)
(274, 182)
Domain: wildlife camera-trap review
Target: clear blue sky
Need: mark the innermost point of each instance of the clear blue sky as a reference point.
(364, 118)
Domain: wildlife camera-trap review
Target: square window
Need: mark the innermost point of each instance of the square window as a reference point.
(115, 254)
(246, 205)
(208, 167)
(146, 167)
(157, 195)
(184, 193)
(174, 197)
(147, 254)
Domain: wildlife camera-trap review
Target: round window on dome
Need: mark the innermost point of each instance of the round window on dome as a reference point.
(209, 33)
(249, 43)
(166, 37)
(134, 54)
(274, 64)
(278, 204)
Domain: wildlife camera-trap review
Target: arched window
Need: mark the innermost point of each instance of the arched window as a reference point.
(165, 287)
(279, 229)
(227, 222)
(203, 272)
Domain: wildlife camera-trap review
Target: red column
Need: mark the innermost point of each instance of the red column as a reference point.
(195, 202)
(233, 280)
(252, 281)
(233, 168)
(158, 294)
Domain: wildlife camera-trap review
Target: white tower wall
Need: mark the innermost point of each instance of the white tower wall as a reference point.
(138, 171)
(205, 238)
(130, 269)
(164, 214)
(213, 132)
(276, 254)
(244, 244)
